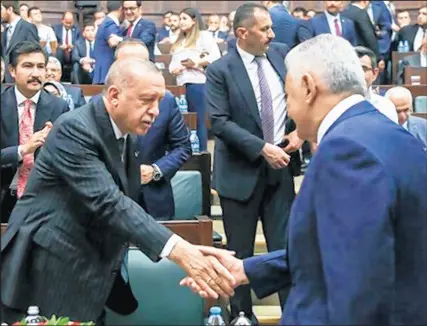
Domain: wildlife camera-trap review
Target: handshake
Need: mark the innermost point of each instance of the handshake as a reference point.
(212, 272)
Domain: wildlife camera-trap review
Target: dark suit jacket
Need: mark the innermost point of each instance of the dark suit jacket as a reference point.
(145, 30)
(49, 108)
(319, 25)
(354, 253)
(68, 234)
(410, 61)
(79, 52)
(236, 124)
(162, 33)
(104, 55)
(383, 20)
(76, 94)
(288, 29)
(75, 35)
(407, 33)
(167, 144)
(24, 31)
(364, 29)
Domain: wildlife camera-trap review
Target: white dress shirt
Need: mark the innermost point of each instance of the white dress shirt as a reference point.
(174, 239)
(276, 89)
(384, 105)
(337, 111)
(205, 44)
(11, 30)
(418, 40)
(331, 22)
(64, 36)
(423, 59)
(20, 100)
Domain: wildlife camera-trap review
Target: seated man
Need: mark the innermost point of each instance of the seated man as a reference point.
(402, 99)
(83, 57)
(54, 73)
(416, 60)
(163, 150)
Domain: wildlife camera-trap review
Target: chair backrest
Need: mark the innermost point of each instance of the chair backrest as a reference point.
(421, 104)
(162, 301)
(187, 194)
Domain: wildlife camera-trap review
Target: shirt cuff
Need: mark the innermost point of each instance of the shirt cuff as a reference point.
(158, 169)
(19, 154)
(173, 240)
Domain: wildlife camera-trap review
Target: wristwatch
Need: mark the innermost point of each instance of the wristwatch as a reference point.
(156, 174)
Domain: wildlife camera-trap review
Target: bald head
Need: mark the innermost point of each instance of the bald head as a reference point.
(402, 100)
(131, 48)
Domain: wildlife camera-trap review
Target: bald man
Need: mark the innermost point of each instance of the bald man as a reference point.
(402, 99)
(68, 235)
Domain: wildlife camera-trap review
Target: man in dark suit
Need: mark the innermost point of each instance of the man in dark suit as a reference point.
(107, 38)
(68, 235)
(414, 33)
(365, 31)
(333, 23)
(163, 150)
(163, 31)
(83, 56)
(18, 30)
(416, 60)
(74, 94)
(288, 30)
(67, 35)
(358, 227)
(24, 104)
(247, 104)
(139, 28)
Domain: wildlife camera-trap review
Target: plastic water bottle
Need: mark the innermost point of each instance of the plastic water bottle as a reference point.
(195, 143)
(400, 47)
(215, 317)
(182, 104)
(405, 46)
(241, 320)
(33, 317)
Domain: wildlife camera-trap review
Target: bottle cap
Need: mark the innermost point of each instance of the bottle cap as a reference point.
(215, 310)
(33, 310)
(241, 320)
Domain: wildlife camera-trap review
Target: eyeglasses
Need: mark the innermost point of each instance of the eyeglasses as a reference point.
(130, 9)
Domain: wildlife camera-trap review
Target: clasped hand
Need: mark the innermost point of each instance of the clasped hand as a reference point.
(212, 272)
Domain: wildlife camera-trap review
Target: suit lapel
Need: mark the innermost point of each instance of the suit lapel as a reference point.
(243, 82)
(325, 24)
(43, 111)
(277, 62)
(107, 132)
(15, 34)
(9, 113)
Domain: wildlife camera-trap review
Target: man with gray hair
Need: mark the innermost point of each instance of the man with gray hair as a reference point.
(402, 99)
(74, 95)
(358, 227)
(69, 233)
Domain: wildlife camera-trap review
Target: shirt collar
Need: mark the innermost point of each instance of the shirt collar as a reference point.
(114, 19)
(136, 21)
(20, 98)
(13, 24)
(336, 112)
(405, 125)
(246, 56)
(331, 17)
(117, 132)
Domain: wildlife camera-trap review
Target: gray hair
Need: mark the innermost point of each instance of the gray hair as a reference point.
(55, 61)
(333, 60)
(122, 73)
(399, 92)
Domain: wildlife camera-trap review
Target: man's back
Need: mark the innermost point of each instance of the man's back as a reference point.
(285, 26)
(358, 225)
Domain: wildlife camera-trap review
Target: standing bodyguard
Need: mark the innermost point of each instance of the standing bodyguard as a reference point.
(246, 100)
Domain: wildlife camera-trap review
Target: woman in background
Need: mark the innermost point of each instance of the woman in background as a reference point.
(192, 52)
(58, 90)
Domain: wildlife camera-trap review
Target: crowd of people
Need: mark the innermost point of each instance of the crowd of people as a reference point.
(80, 181)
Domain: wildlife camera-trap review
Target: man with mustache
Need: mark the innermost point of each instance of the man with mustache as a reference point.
(27, 115)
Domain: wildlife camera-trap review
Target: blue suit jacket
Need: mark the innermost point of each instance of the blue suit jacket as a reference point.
(166, 144)
(383, 20)
(162, 33)
(104, 55)
(145, 30)
(319, 25)
(288, 29)
(357, 230)
(75, 32)
(418, 128)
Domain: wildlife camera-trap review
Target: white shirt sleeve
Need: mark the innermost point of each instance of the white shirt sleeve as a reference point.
(209, 45)
(51, 37)
(173, 240)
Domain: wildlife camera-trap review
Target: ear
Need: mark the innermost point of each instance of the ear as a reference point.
(113, 95)
(240, 32)
(376, 72)
(310, 88)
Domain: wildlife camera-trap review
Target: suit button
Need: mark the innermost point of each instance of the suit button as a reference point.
(115, 271)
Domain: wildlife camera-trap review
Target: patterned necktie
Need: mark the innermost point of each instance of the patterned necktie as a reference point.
(337, 27)
(25, 132)
(267, 114)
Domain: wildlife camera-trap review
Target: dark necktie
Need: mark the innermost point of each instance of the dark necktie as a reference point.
(91, 54)
(267, 114)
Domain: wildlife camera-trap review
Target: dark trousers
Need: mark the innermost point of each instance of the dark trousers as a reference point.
(10, 316)
(7, 204)
(195, 94)
(80, 76)
(270, 203)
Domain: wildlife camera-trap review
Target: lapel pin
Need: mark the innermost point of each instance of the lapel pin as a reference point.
(136, 153)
